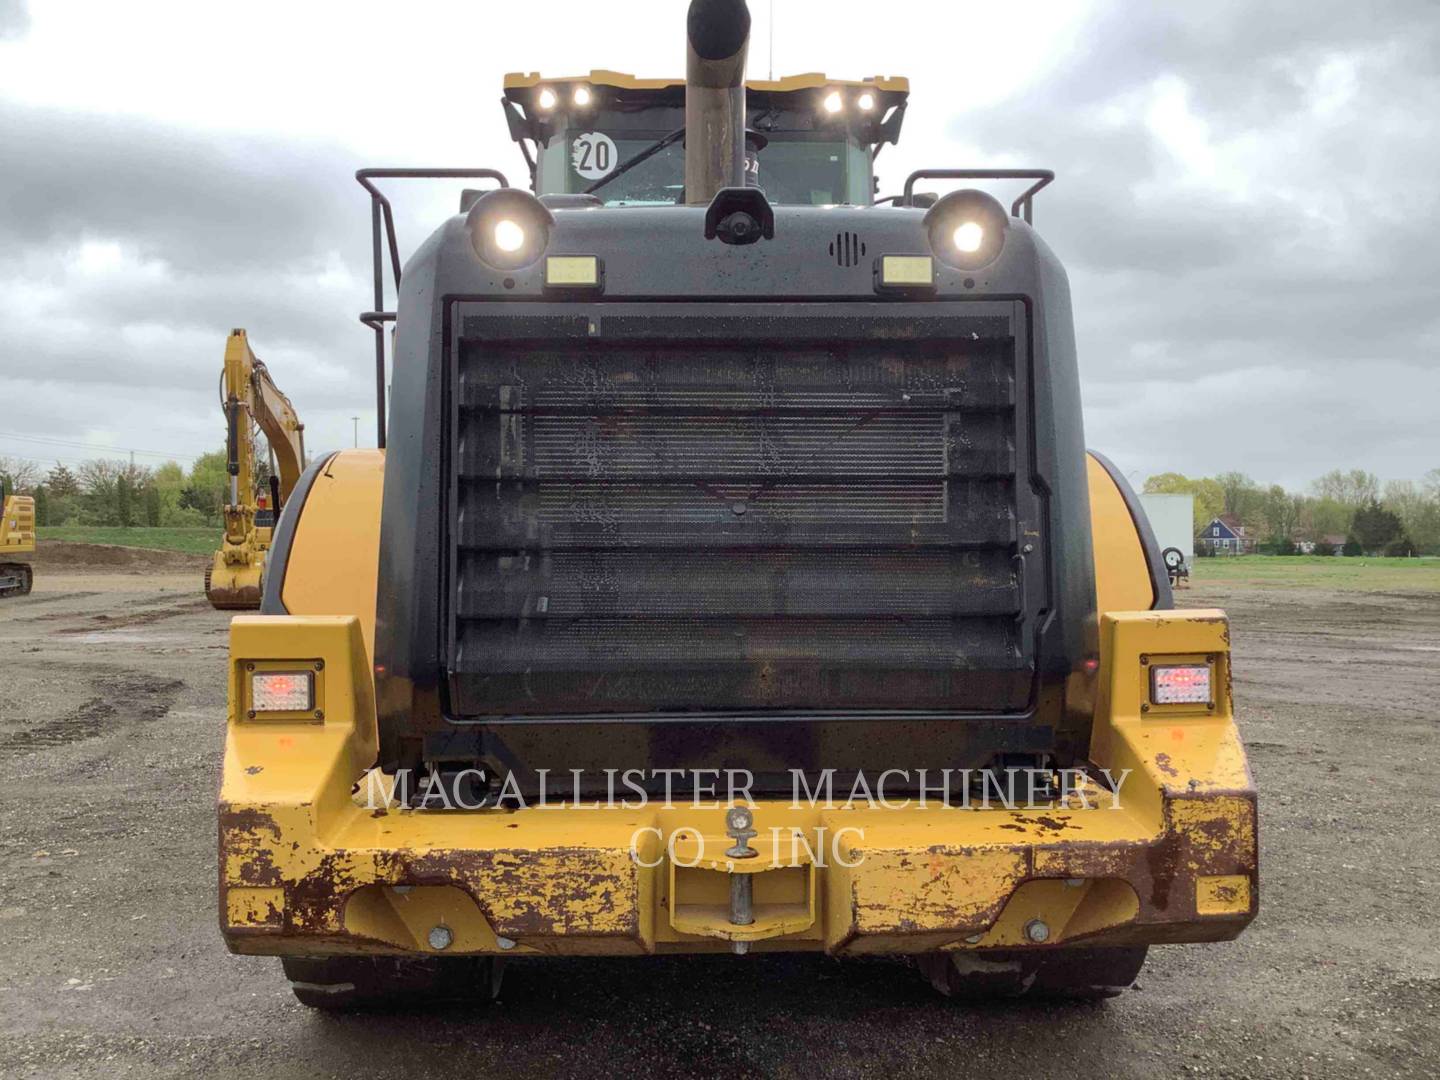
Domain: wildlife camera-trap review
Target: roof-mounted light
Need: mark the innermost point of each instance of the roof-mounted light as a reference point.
(833, 102)
(866, 101)
(546, 99)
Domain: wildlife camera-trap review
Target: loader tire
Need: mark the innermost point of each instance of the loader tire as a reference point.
(358, 983)
(1063, 974)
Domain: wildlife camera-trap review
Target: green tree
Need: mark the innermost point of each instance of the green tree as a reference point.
(19, 475)
(153, 505)
(1418, 506)
(1352, 489)
(1282, 512)
(1376, 528)
(62, 482)
(208, 485)
(98, 480)
(42, 505)
(1329, 518)
(124, 502)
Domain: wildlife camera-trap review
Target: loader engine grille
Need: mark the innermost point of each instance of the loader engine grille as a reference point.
(710, 521)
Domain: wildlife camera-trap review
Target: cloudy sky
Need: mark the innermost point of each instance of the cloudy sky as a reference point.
(1247, 199)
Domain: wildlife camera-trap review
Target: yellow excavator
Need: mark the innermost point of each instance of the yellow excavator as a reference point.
(17, 537)
(252, 401)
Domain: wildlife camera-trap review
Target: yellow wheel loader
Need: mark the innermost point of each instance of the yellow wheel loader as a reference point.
(735, 580)
(252, 403)
(17, 537)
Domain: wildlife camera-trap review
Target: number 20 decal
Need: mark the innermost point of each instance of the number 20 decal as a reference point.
(592, 155)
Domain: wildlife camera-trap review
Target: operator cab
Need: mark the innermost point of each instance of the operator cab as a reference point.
(811, 140)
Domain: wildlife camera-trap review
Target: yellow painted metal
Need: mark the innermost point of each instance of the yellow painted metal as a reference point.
(255, 907)
(783, 884)
(587, 879)
(17, 526)
(250, 397)
(907, 270)
(1224, 894)
(335, 554)
(621, 80)
(1122, 577)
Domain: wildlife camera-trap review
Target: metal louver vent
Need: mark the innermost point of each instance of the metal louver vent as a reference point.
(847, 249)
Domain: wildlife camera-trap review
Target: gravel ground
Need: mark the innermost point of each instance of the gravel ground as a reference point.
(111, 708)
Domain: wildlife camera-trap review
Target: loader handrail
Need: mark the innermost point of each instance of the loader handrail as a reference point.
(1023, 204)
(380, 209)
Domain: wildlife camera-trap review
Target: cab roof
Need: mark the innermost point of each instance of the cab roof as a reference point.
(531, 118)
(519, 81)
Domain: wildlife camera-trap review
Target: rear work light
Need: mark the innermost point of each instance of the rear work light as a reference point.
(1180, 684)
(282, 691)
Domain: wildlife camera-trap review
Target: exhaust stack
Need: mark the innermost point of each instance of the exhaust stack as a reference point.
(718, 33)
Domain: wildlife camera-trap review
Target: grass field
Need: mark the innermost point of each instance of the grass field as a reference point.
(202, 541)
(1318, 571)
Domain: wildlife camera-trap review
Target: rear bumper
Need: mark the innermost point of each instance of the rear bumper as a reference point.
(306, 867)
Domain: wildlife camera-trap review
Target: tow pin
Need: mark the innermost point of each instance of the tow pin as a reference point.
(739, 826)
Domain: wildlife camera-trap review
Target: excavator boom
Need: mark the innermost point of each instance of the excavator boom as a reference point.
(251, 399)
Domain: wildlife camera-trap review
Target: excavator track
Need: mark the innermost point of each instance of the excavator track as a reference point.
(15, 579)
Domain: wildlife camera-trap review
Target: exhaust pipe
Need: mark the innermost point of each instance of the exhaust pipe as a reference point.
(718, 33)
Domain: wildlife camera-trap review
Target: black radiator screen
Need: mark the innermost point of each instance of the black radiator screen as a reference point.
(672, 525)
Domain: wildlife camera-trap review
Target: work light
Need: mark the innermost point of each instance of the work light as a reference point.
(582, 96)
(866, 101)
(547, 99)
(834, 102)
(969, 236)
(509, 236)
(967, 229)
(510, 228)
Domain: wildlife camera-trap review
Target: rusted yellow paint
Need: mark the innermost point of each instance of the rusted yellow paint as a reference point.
(571, 879)
(249, 906)
(1222, 894)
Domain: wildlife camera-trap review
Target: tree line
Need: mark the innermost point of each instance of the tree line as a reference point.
(105, 491)
(1398, 517)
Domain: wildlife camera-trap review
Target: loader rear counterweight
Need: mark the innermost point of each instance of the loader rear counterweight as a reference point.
(732, 554)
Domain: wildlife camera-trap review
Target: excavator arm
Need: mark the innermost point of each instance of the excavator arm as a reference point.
(251, 399)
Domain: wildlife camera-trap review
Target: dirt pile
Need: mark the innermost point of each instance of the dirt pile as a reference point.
(65, 555)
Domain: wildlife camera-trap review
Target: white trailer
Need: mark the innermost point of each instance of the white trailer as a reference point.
(1173, 519)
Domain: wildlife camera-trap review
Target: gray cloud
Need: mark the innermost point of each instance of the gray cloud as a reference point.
(1277, 317)
(1244, 206)
(14, 19)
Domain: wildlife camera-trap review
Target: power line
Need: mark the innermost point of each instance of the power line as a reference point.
(50, 441)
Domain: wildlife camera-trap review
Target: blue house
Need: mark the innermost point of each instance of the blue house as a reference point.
(1225, 535)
